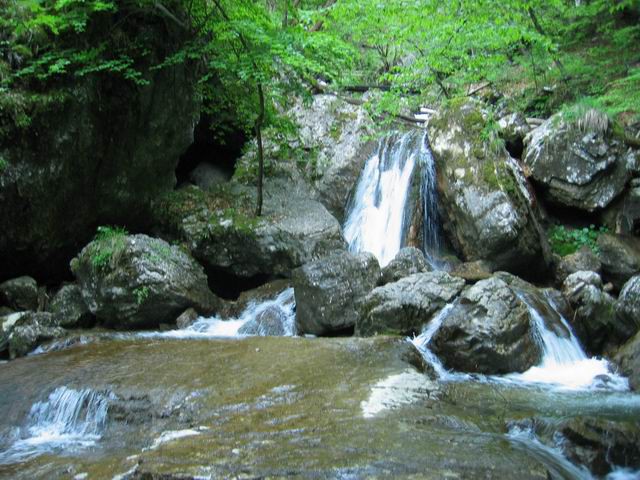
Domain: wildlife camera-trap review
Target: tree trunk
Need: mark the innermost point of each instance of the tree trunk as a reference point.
(258, 130)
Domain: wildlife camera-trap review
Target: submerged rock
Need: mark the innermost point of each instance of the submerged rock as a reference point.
(620, 257)
(487, 210)
(330, 292)
(579, 164)
(135, 281)
(20, 293)
(224, 235)
(488, 330)
(70, 309)
(595, 320)
(408, 260)
(271, 322)
(405, 306)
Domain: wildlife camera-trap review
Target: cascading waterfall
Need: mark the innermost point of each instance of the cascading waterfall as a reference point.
(68, 418)
(431, 237)
(281, 310)
(376, 221)
(564, 364)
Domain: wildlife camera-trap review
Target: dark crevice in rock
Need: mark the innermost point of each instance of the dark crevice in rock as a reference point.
(568, 215)
(515, 148)
(218, 147)
(229, 286)
(345, 332)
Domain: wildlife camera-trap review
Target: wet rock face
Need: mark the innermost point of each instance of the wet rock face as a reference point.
(580, 261)
(408, 261)
(620, 257)
(330, 292)
(486, 206)
(585, 168)
(487, 331)
(599, 444)
(135, 281)
(70, 309)
(21, 332)
(628, 305)
(20, 293)
(628, 359)
(92, 157)
(223, 234)
(595, 320)
(268, 323)
(405, 306)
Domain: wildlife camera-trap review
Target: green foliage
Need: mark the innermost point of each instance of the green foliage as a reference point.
(107, 243)
(565, 241)
(3, 164)
(142, 293)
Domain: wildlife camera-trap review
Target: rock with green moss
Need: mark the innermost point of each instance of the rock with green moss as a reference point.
(595, 321)
(135, 281)
(487, 209)
(578, 162)
(222, 232)
(406, 306)
(92, 151)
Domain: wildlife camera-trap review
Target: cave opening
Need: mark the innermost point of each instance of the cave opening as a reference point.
(212, 156)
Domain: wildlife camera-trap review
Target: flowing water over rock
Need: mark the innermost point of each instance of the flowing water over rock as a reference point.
(377, 220)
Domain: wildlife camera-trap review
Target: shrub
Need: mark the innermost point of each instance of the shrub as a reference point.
(565, 241)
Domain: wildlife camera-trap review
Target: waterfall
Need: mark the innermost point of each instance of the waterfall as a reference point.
(376, 220)
(275, 317)
(68, 418)
(564, 363)
(431, 238)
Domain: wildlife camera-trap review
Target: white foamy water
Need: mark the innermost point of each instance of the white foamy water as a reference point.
(67, 419)
(280, 310)
(376, 219)
(396, 390)
(564, 364)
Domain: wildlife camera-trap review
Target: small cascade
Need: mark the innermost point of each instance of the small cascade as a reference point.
(376, 221)
(274, 317)
(551, 457)
(564, 364)
(68, 418)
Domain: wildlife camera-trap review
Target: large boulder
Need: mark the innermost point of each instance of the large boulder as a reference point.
(580, 261)
(628, 304)
(20, 293)
(408, 260)
(24, 332)
(330, 292)
(135, 281)
(70, 309)
(579, 163)
(95, 150)
(620, 257)
(334, 140)
(599, 444)
(488, 330)
(223, 234)
(628, 359)
(487, 209)
(595, 320)
(405, 306)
